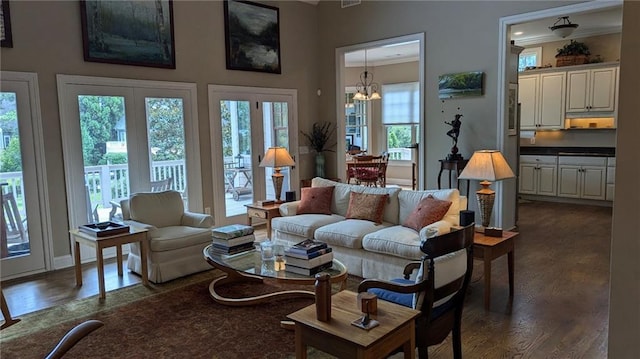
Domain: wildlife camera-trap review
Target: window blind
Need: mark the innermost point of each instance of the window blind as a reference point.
(400, 103)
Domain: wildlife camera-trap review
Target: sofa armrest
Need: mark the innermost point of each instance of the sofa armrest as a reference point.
(289, 208)
(441, 226)
(136, 224)
(200, 220)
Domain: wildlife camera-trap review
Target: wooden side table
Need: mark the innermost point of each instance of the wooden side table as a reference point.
(254, 210)
(339, 338)
(134, 235)
(452, 165)
(489, 248)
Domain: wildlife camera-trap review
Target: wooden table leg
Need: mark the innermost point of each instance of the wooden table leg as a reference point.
(77, 264)
(100, 265)
(144, 244)
(119, 259)
(8, 320)
(487, 278)
(511, 263)
(301, 347)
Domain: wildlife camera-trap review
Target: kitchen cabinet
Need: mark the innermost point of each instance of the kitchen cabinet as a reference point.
(592, 90)
(538, 175)
(611, 177)
(582, 177)
(542, 100)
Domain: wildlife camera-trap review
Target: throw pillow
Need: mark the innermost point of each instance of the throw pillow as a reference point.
(429, 210)
(315, 200)
(367, 206)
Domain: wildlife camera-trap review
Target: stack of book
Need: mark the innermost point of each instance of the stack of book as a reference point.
(233, 239)
(308, 257)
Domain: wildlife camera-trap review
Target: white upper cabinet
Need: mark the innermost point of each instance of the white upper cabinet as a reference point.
(542, 100)
(591, 90)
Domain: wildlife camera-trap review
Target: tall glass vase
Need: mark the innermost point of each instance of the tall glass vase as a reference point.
(320, 164)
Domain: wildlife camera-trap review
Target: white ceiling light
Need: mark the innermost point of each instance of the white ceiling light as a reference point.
(564, 29)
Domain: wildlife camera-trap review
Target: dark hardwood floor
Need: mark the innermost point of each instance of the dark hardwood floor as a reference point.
(560, 308)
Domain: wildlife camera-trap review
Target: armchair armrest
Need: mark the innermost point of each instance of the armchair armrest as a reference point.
(199, 220)
(442, 226)
(289, 208)
(409, 268)
(139, 224)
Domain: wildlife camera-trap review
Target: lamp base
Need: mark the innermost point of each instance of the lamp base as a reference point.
(277, 178)
(485, 201)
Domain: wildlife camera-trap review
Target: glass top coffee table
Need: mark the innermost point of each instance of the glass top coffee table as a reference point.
(249, 267)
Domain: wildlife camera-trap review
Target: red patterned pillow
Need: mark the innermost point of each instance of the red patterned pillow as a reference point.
(367, 206)
(429, 210)
(315, 200)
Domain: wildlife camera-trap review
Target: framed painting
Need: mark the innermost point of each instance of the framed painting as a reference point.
(138, 33)
(252, 36)
(512, 114)
(6, 40)
(462, 84)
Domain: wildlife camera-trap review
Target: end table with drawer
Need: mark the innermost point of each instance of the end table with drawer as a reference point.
(255, 210)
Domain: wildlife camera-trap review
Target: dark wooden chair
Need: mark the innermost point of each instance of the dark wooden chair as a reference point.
(440, 303)
(72, 337)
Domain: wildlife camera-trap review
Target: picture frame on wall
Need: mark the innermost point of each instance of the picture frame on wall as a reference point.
(138, 33)
(6, 39)
(461, 84)
(512, 114)
(252, 36)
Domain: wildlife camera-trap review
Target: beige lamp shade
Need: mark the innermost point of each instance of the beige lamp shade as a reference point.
(487, 165)
(277, 157)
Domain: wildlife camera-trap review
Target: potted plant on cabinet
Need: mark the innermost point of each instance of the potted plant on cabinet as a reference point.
(573, 53)
(318, 138)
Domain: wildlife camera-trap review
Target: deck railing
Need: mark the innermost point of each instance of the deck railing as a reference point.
(98, 178)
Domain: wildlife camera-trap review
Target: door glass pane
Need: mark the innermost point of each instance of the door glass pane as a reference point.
(236, 141)
(275, 119)
(104, 151)
(165, 128)
(14, 228)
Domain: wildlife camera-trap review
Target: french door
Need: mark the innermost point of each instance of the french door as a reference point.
(119, 136)
(245, 122)
(23, 224)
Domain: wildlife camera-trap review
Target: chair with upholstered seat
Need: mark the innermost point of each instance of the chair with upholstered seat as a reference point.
(438, 290)
(176, 237)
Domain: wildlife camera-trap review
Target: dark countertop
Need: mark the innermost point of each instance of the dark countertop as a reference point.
(569, 151)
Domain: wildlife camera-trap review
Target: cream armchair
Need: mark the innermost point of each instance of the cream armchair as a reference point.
(176, 237)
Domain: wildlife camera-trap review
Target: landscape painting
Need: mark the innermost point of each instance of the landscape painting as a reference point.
(136, 33)
(462, 84)
(252, 36)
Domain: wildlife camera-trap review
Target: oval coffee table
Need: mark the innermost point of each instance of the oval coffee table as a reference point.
(249, 267)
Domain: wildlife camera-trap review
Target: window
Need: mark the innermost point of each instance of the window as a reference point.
(356, 121)
(530, 57)
(401, 116)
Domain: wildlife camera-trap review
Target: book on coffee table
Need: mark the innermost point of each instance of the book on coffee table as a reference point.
(308, 271)
(307, 246)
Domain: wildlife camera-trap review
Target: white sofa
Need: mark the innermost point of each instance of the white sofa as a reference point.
(176, 237)
(367, 249)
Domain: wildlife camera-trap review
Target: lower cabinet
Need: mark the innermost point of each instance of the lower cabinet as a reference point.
(611, 177)
(582, 177)
(538, 175)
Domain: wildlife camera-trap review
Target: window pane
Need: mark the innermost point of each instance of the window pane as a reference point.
(399, 137)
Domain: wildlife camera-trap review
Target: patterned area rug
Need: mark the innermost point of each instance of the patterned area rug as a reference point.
(174, 320)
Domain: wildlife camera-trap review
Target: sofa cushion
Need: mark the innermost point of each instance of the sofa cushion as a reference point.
(347, 233)
(429, 210)
(367, 206)
(408, 200)
(175, 237)
(304, 225)
(160, 209)
(397, 241)
(315, 200)
(342, 192)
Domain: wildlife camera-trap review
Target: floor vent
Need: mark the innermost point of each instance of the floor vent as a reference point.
(347, 3)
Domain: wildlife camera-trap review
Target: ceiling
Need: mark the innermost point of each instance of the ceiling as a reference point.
(601, 22)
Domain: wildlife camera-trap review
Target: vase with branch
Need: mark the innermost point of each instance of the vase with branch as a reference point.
(318, 139)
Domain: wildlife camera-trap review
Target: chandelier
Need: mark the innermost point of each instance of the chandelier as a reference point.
(565, 29)
(366, 88)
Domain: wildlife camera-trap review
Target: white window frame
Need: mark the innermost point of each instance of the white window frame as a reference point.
(532, 51)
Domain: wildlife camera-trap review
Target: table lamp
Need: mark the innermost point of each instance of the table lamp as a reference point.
(277, 157)
(486, 166)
